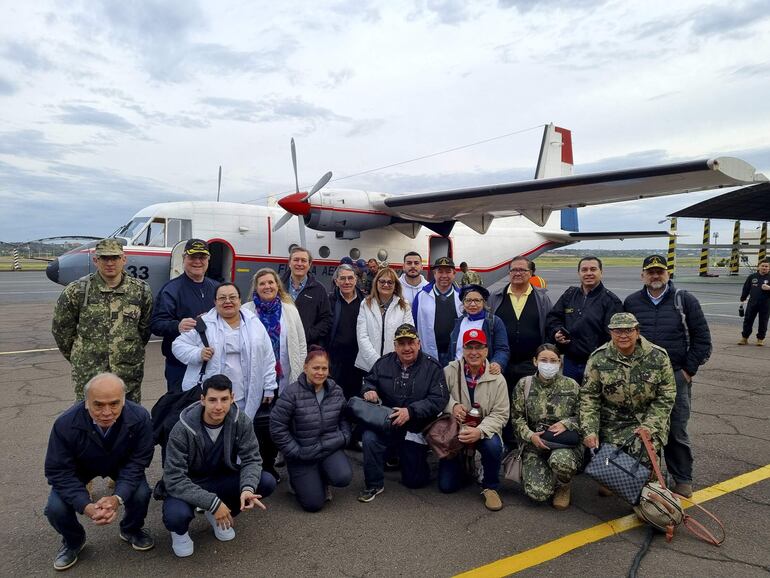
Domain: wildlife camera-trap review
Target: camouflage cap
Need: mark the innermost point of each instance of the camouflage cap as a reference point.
(109, 248)
(623, 321)
(654, 262)
(444, 262)
(405, 330)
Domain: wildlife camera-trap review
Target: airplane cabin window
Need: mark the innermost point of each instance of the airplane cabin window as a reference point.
(156, 233)
(186, 229)
(174, 232)
(382, 255)
(132, 227)
(355, 253)
(324, 251)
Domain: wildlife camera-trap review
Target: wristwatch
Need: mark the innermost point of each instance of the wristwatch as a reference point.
(120, 500)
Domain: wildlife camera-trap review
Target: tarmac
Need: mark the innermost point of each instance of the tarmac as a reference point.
(402, 532)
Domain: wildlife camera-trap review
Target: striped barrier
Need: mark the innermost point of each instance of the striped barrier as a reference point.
(16, 262)
(671, 257)
(762, 254)
(703, 267)
(735, 252)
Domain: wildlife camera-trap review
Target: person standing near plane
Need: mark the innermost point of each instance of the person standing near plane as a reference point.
(757, 289)
(536, 280)
(435, 309)
(578, 321)
(345, 303)
(179, 302)
(101, 322)
(672, 318)
(469, 277)
(412, 280)
(309, 297)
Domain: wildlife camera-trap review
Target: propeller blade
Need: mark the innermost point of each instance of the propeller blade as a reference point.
(282, 221)
(294, 163)
(319, 185)
(302, 239)
(219, 183)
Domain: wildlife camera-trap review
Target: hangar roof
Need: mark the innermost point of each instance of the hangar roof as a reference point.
(745, 204)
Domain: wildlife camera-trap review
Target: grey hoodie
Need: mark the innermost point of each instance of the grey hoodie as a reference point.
(184, 452)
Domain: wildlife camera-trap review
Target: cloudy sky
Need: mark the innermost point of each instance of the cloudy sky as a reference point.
(107, 107)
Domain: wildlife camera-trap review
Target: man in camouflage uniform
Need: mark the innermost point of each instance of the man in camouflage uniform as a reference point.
(629, 386)
(547, 472)
(469, 277)
(101, 322)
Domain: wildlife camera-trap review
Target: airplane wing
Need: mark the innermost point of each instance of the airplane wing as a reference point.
(536, 199)
(567, 236)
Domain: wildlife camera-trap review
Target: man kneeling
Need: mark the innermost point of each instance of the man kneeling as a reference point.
(202, 468)
(103, 436)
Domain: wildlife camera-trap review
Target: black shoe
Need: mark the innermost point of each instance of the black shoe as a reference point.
(67, 557)
(369, 494)
(141, 540)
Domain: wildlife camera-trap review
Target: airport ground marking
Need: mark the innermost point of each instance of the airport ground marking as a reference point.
(51, 349)
(558, 547)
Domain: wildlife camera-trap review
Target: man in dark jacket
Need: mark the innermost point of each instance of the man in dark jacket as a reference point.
(413, 385)
(103, 436)
(212, 463)
(309, 296)
(757, 289)
(345, 302)
(179, 303)
(578, 321)
(673, 319)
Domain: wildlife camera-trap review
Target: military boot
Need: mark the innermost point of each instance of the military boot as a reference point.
(743, 341)
(760, 342)
(561, 496)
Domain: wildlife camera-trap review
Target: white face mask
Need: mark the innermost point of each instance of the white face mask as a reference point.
(547, 369)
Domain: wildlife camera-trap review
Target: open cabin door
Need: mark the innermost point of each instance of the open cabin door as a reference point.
(177, 258)
(438, 247)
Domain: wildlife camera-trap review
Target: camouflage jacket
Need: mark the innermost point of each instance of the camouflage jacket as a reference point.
(470, 278)
(547, 403)
(622, 393)
(98, 328)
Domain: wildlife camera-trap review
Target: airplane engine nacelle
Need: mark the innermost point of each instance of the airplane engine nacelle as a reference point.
(347, 211)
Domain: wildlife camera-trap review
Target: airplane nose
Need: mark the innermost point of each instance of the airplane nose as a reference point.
(52, 271)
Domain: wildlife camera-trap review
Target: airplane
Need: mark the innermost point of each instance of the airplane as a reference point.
(485, 226)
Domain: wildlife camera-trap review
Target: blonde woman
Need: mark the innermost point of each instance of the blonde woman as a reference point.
(378, 318)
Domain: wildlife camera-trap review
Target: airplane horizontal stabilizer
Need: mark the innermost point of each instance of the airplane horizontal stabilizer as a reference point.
(567, 237)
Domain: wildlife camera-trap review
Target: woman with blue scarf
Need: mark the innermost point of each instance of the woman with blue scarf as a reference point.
(274, 308)
(475, 316)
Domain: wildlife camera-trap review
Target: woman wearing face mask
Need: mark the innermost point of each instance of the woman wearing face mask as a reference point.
(548, 427)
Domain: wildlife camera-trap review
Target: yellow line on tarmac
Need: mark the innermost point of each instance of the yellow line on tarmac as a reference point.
(51, 349)
(560, 546)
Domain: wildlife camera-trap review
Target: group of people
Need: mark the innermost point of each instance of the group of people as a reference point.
(275, 368)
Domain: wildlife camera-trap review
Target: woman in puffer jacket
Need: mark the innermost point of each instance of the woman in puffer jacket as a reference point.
(308, 426)
(380, 315)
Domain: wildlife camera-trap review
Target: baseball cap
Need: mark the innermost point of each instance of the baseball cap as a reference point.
(406, 330)
(623, 321)
(475, 335)
(196, 247)
(444, 262)
(109, 248)
(654, 262)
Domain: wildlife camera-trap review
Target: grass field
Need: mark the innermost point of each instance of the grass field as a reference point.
(547, 260)
(6, 264)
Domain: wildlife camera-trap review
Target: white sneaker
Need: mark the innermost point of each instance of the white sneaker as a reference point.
(182, 544)
(221, 535)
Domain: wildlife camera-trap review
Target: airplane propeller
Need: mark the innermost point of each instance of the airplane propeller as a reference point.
(297, 203)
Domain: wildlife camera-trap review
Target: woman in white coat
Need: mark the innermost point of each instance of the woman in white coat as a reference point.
(380, 315)
(238, 347)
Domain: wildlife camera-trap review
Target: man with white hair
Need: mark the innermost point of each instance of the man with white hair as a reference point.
(103, 436)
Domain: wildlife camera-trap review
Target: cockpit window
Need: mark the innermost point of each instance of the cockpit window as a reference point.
(131, 228)
(156, 233)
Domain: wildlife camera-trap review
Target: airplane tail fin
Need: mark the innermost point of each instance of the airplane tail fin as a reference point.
(555, 160)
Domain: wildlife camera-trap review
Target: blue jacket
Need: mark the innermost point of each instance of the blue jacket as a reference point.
(179, 298)
(76, 453)
(305, 430)
(497, 339)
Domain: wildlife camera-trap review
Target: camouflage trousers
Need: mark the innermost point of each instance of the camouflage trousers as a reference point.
(133, 389)
(542, 471)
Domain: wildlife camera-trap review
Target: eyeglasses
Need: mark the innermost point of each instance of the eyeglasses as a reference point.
(472, 301)
(518, 271)
(228, 298)
(623, 331)
(474, 346)
(385, 282)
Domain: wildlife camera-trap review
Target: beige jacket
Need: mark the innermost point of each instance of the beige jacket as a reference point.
(491, 394)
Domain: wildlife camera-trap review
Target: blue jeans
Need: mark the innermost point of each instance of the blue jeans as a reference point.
(413, 456)
(677, 451)
(574, 369)
(64, 520)
(452, 475)
(177, 514)
(309, 479)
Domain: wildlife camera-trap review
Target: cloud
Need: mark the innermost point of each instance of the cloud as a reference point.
(6, 87)
(337, 77)
(25, 55)
(524, 6)
(33, 144)
(448, 11)
(89, 116)
(364, 127)
(270, 109)
(761, 69)
(221, 59)
(728, 20)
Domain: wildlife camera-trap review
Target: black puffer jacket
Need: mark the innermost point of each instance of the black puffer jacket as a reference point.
(424, 393)
(305, 430)
(313, 306)
(662, 324)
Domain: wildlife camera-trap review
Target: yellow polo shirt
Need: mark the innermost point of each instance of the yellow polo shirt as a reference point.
(518, 303)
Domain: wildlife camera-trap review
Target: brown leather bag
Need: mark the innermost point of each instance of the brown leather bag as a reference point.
(441, 436)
